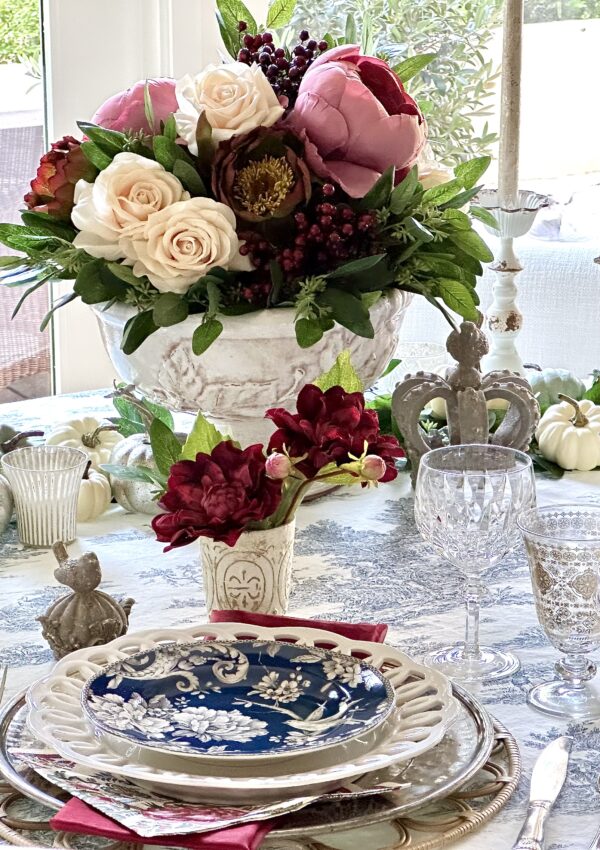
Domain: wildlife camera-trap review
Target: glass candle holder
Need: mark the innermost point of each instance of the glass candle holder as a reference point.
(563, 547)
(45, 482)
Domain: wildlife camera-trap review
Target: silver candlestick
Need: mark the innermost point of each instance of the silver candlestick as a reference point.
(504, 320)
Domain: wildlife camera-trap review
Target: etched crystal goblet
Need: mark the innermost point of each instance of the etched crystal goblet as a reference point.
(563, 548)
(467, 501)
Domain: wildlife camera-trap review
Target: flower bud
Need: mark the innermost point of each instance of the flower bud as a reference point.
(372, 468)
(278, 466)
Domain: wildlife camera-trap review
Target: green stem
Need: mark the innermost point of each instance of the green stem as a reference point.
(299, 494)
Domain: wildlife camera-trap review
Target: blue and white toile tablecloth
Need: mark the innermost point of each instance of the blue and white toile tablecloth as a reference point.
(358, 557)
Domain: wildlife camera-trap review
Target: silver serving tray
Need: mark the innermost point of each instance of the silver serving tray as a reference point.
(432, 776)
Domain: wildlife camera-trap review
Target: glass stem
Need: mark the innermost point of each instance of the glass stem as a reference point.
(576, 670)
(472, 625)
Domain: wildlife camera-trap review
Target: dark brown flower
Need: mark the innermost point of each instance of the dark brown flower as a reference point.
(261, 175)
(53, 187)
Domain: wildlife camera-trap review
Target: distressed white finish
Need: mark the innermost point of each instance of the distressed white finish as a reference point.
(255, 364)
(254, 575)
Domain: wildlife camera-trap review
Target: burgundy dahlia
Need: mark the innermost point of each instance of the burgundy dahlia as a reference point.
(53, 187)
(328, 428)
(216, 496)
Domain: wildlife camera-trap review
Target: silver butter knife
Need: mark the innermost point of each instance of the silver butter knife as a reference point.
(547, 779)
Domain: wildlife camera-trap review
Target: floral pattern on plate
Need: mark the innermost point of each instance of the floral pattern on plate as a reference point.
(240, 698)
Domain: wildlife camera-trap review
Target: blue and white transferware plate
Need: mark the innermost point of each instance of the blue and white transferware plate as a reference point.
(244, 698)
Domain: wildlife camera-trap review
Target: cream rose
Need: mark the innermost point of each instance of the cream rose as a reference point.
(179, 244)
(120, 201)
(235, 98)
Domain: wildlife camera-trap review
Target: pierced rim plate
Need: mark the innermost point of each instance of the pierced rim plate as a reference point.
(249, 700)
(424, 701)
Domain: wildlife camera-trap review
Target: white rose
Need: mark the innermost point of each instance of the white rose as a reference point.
(120, 200)
(179, 244)
(235, 98)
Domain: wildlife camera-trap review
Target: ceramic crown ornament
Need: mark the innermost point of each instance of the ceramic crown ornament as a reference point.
(86, 617)
(466, 393)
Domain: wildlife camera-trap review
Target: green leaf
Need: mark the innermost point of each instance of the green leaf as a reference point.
(128, 473)
(280, 13)
(438, 195)
(308, 332)
(484, 215)
(148, 107)
(27, 293)
(137, 329)
(70, 296)
(457, 219)
(10, 262)
(418, 231)
(355, 267)
(160, 412)
(460, 200)
(348, 310)
(412, 66)
(203, 437)
(469, 173)
(190, 178)
(350, 33)
(472, 244)
(593, 394)
(166, 448)
(96, 155)
(124, 273)
(379, 194)
(205, 334)
(369, 299)
(404, 191)
(47, 224)
(167, 152)
(169, 309)
(213, 291)
(342, 374)
(233, 11)
(170, 128)
(93, 284)
(27, 239)
(110, 141)
(393, 364)
(458, 297)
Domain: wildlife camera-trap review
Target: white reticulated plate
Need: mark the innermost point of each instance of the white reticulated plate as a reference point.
(425, 710)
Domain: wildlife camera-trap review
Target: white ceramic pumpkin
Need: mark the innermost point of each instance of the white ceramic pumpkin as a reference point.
(88, 434)
(569, 434)
(134, 496)
(94, 495)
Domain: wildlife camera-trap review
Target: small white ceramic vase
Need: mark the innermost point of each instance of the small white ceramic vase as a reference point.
(254, 575)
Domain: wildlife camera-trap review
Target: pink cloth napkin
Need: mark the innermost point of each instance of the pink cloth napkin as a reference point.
(375, 632)
(76, 816)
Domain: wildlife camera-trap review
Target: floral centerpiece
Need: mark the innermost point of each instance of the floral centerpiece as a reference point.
(283, 179)
(242, 502)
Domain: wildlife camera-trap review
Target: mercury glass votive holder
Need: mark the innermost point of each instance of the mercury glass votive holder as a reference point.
(45, 482)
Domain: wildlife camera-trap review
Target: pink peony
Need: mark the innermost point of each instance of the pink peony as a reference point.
(358, 120)
(125, 110)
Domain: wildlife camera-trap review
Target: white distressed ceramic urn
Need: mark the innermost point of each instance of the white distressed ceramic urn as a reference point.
(255, 364)
(254, 575)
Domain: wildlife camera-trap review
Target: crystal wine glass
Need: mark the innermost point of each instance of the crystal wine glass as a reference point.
(467, 501)
(563, 547)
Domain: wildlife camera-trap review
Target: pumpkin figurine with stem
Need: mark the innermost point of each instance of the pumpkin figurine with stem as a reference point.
(569, 434)
(89, 435)
(94, 494)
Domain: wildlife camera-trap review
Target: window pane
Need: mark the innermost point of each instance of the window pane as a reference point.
(24, 351)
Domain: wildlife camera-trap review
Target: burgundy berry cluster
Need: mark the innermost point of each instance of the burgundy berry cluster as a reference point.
(328, 234)
(257, 287)
(283, 69)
